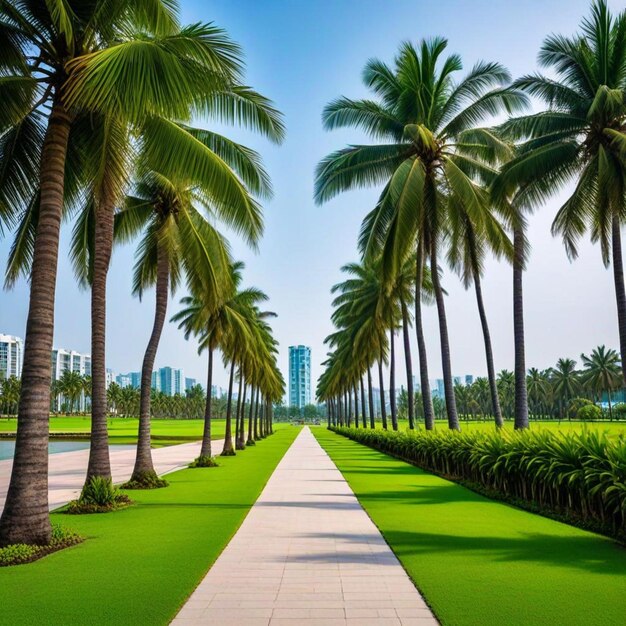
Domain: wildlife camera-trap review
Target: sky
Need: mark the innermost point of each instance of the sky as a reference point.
(302, 54)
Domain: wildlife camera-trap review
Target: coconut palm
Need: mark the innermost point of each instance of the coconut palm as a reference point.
(566, 382)
(40, 91)
(430, 168)
(601, 372)
(582, 136)
(538, 385)
(469, 244)
(217, 327)
(64, 60)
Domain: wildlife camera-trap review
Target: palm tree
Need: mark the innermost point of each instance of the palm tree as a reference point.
(429, 169)
(583, 134)
(222, 326)
(67, 60)
(209, 171)
(602, 372)
(507, 391)
(537, 383)
(41, 45)
(10, 394)
(468, 246)
(566, 382)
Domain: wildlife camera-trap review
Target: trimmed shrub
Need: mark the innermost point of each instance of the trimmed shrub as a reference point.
(575, 405)
(573, 474)
(590, 412)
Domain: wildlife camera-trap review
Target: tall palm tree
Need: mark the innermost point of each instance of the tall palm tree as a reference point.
(67, 59)
(41, 43)
(602, 372)
(429, 168)
(581, 135)
(469, 244)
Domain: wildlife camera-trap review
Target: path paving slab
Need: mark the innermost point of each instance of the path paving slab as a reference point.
(67, 470)
(307, 554)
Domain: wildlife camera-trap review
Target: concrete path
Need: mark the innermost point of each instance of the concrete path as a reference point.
(307, 554)
(67, 469)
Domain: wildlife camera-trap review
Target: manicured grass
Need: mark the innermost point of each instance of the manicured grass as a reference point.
(124, 430)
(139, 565)
(477, 561)
(612, 428)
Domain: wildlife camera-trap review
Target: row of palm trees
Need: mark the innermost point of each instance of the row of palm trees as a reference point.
(95, 126)
(458, 189)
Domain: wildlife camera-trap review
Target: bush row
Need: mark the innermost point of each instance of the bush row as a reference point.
(573, 474)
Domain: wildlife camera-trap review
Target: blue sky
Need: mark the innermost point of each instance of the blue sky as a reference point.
(302, 55)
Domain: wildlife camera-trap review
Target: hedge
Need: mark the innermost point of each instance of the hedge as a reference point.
(580, 475)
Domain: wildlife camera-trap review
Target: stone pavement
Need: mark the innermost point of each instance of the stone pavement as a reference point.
(67, 469)
(307, 554)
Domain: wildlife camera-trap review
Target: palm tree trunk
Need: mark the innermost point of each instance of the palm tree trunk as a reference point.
(99, 461)
(143, 471)
(250, 440)
(453, 418)
(392, 381)
(363, 406)
(381, 382)
(261, 418)
(491, 373)
(349, 399)
(427, 401)
(205, 448)
(228, 449)
(25, 518)
(408, 363)
(371, 398)
(256, 416)
(521, 394)
(620, 292)
(240, 442)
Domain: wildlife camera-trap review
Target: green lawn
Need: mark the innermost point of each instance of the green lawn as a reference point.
(124, 430)
(139, 565)
(478, 561)
(613, 428)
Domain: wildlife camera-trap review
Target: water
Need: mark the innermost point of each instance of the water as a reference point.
(7, 447)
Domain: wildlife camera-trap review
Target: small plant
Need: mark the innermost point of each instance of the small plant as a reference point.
(20, 553)
(99, 495)
(204, 461)
(146, 480)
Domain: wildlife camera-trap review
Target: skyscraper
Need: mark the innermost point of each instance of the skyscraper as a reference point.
(11, 353)
(299, 376)
(171, 381)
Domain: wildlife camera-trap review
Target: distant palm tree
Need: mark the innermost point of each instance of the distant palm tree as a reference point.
(566, 382)
(602, 372)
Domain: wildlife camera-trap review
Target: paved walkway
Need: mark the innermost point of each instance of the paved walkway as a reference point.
(67, 469)
(307, 554)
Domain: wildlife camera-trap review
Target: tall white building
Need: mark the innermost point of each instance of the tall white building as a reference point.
(70, 361)
(11, 356)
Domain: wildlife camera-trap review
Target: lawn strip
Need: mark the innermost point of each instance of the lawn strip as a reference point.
(478, 561)
(138, 565)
